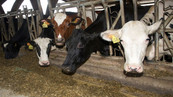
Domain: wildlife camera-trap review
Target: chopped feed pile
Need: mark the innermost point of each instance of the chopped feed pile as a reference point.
(24, 76)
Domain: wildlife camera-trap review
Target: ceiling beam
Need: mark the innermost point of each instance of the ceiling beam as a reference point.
(16, 5)
(2, 1)
(37, 6)
(1, 10)
(53, 4)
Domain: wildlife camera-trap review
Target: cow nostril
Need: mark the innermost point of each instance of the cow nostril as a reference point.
(59, 39)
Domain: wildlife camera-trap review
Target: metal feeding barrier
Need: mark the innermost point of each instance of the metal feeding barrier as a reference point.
(8, 26)
(163, 29)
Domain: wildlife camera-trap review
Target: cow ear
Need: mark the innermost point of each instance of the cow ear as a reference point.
(153, 28)
(111, 35)
(76, 21)
(31, 43)
(52, 42)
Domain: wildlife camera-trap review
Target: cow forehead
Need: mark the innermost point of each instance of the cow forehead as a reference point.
(42, 42)
(134, 30)
(60, 17)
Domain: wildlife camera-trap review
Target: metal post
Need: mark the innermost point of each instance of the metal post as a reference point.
(156, 8)
(50, 8)
(84, 15)
(122, 12)
(93, 12)
(135, 10)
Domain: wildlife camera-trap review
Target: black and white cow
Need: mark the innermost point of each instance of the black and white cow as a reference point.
(149, 19)
(83, 42)
(134, 39)
(44, 42)
(12, 47)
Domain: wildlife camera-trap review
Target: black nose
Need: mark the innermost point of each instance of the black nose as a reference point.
(133, 70)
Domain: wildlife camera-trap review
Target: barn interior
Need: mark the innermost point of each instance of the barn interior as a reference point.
(99, 76)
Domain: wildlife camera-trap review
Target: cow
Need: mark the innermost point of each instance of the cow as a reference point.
(12, 47)
(44, 42)
(64, 25)
(150, 52)
(134, 36)
(83, 43)
(149, 19)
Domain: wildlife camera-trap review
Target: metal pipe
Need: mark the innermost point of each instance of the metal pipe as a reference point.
(84, 15)
(50, 8)
(122, 12)
(116, 20)
(156, 8)
(93, 12)
(135, 9)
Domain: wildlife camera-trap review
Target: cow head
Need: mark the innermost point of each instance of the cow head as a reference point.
(79, 48)
(10, 50)
(43, 48)
(134, 39)
(64, 26)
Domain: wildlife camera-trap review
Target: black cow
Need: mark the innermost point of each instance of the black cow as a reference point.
(83, 42)
(12, 47)
(44, 42)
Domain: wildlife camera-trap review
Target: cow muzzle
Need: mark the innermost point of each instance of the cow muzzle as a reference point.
(133, 68)
(44, 63)
(60, 42)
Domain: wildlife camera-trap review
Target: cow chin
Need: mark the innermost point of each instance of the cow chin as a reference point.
(60, 44)
(69, 69)
(133, 68)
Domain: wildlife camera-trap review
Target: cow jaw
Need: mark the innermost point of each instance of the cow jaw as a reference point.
(42, 51)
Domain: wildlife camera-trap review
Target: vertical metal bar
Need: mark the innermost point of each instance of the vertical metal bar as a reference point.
(40, 8)
(107, 23)
(156, 8)
(135, 10)
(122, 12)
(84, 15)
(50, 8)
(93, 13)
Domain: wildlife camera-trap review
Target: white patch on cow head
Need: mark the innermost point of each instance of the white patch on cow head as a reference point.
(60, 17)
(5, 45)
(134, 38)
(59, 36)
(42, 47)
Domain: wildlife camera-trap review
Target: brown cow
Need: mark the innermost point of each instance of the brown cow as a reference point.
(64, 25)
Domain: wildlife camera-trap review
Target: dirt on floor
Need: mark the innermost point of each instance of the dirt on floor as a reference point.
(23, 76)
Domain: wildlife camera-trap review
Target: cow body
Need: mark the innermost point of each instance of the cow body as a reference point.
(12, 47)
(44, 42)
(83, 42)
(64, 25)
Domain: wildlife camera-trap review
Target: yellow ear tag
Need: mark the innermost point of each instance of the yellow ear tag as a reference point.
(115, 39)
(30, 47)
(45, 25)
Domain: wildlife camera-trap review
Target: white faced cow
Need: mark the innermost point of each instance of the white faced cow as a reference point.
(134, 39)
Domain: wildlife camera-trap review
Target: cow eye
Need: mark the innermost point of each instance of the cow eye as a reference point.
(80, 45)
(148, 39)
